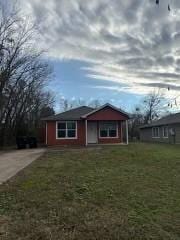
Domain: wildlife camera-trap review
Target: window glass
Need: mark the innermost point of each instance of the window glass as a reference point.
(103, 126)
(104, 133)
(71, 125)
(155, 132)
(112, 126)
(71, 133)
(62, 125)
(61, 133)
(165, 132)
(112, 133)
(66, 129)
(108, 129)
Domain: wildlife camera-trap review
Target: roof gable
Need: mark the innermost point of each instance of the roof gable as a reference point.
(84, 112)
(107, 105)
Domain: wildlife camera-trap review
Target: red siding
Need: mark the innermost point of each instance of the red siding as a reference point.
(107, 113)
(51, 135)
(111, 140)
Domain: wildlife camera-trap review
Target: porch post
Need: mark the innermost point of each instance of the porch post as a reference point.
(127, 135)
(86, 131)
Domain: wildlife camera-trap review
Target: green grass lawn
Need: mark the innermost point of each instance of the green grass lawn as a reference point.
(116, 192)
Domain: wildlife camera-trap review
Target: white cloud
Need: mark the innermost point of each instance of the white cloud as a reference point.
(132, 42)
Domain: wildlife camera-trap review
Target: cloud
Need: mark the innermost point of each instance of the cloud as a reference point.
(132, 42)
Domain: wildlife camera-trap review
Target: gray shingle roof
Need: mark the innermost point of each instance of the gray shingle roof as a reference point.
(170, 119)
(73, 114)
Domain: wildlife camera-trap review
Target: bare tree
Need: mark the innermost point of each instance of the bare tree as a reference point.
(95, 103)
(23, 75)
(136, 120)
(67, 104)
(153, 106)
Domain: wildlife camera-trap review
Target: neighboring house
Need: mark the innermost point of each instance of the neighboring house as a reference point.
(85, 125)
(166, 130)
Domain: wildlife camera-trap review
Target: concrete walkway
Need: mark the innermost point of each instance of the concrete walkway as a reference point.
(14, 161)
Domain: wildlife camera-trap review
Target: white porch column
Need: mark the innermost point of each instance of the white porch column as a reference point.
(127, 135)
(86, 132)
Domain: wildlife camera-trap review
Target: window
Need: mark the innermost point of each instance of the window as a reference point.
(67, 129)
(155, 132)
(108, 129)
(165, 132)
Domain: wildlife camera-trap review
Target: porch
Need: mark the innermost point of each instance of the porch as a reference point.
(107, 132)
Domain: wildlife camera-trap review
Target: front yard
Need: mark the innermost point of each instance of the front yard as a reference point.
(116, 192)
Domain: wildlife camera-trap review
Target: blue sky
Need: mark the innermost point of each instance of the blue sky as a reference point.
(115, 51)
(69, 81)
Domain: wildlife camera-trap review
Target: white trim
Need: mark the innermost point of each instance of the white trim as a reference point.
(163, 132)
(46, 133)
(86, 132)
(105, 105)
(67, 138)
(158, 132)
(127, 134)
(117, 128)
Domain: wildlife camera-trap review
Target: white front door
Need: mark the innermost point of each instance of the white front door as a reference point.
(92, 132)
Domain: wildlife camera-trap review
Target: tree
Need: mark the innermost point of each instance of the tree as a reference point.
(136, 120)
(46, 111)
(23, 75)
(153, 105)
(66, 104)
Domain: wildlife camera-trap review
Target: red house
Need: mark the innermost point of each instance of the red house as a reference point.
(85, 125)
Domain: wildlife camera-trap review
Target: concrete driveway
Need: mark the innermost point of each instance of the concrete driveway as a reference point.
(14, 161)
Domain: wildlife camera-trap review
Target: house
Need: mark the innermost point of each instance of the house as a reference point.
(165, 130)
(85, 125)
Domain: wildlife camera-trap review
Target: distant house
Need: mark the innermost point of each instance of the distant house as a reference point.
(165, 130)
(85, 125)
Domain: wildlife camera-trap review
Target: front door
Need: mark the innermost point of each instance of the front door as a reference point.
(92, 132)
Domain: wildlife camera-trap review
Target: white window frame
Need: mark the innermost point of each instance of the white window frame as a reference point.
(117, 133)
(163, 128)
(153, 132)
(58, 138)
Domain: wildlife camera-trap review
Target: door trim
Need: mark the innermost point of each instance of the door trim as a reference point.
(95, 135)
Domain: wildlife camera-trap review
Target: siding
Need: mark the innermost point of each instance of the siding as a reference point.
(146, 135)
(106, 114)
(176, 138)
(112, 140)
(51, 135)
(81, 135)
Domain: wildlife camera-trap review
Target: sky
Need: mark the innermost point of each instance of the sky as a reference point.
(116, 51)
